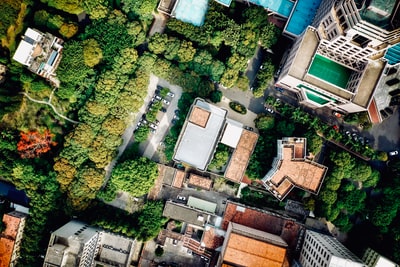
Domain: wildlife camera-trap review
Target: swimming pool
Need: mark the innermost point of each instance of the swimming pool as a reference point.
(282, 7)
(303, 15)
(191, 11)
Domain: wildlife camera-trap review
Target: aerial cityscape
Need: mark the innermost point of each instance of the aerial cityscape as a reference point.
(257, 133)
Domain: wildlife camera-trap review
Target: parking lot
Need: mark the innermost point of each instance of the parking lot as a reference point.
(149, 148)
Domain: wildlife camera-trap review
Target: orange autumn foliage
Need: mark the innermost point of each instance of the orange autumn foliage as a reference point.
(33, 143)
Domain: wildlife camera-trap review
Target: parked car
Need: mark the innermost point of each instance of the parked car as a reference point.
(270, 110)
(182, 198)
(393, 153)
(156, 122)
(170, 94)
(166, 102)
(143, 121)
(336, 128)
(337, 114)
(159, 87)
(177, 112)
(157, 97)
(173, 121)
(163, 110)
(153, 126)
(152, 130)
(248, 128)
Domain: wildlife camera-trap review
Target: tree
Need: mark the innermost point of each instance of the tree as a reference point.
(151, 220)
(285, 128)
(68, 29)
(92, 53)
(134, 176)
(328, 196)
(216, 96)
(33, 143)
(159, 251)
(220, 158)
(265, 122)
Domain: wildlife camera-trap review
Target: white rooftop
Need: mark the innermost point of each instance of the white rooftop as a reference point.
(197, 144)
(232, 133)
(341, 262)
(383, 262)
(23, 52)
(31, 33)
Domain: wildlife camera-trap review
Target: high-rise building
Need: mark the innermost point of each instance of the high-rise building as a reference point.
(10, 238)
(321, 250)
(344, 58)
(79, 244)
(374, 259)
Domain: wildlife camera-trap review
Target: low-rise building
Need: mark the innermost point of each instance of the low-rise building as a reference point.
(11, 237)
(205, 127)
(321, 250)
(39, 52)
(79, 244)
(290, 169)
(245, 246)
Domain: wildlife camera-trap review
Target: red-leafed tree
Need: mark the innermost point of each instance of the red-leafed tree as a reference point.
(33, 143)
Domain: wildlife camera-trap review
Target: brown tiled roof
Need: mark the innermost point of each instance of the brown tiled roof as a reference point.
(7, 239)
(243, 248)
(200, 181)
(178, 178)
(373, 112)
(294, 170)
(263, 221)
(199, 116)
(211, 240)
(241, 156)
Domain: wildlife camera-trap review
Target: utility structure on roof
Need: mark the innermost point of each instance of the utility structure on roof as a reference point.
(40, 53)
(345, 59)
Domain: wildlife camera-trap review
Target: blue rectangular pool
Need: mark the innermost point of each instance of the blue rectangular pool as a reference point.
(282, 7)
(302, 16)
(191, 11)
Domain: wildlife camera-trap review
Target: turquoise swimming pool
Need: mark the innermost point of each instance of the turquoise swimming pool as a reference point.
(303, 14)
(191, 11)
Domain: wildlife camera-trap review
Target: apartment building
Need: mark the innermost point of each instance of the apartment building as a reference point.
(79, 244)
(321, 250)
(343, 58)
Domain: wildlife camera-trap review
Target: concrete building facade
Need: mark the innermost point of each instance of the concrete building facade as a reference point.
(321, 250)
(374, 259)
(340, 60)
(79, 244)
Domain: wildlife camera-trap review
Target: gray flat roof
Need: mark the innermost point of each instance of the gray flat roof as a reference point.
(185, 214)
(202, 204)
(196, 144)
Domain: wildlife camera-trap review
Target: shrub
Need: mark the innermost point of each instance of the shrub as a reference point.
(239, 108)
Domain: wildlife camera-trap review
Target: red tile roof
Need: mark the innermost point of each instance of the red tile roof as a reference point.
(178, 178)
(374, 113)
(200, 181)
(262, 220)
(241, 156)
(211, 240)
(7, 239)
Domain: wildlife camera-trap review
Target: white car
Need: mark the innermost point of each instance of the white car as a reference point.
(170, 94)
(393, 153)
(166, 102)
(182, 198)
